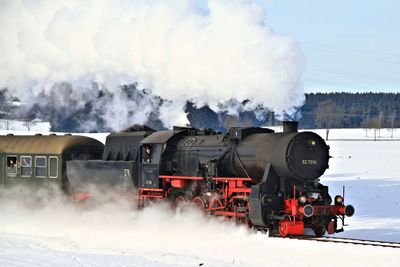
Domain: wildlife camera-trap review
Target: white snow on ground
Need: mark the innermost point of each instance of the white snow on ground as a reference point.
(22, 127)
(61, 234)
(371, 173)
(117, 235)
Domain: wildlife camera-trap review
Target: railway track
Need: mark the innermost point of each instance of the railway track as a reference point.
(344, 240)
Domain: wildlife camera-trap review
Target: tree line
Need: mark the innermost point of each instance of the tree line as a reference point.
(350, 110)
(320, 110)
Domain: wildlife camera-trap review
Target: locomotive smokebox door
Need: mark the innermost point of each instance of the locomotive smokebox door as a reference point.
(150, 165)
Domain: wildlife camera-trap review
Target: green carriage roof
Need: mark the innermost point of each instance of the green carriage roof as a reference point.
(46, 144)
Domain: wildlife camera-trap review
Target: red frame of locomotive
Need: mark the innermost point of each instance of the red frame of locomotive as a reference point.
(239, 188)
(232, 188)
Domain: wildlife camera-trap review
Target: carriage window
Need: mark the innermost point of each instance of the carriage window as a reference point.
(40, 166)
(12, 165)
(26, 166)
(53, 167)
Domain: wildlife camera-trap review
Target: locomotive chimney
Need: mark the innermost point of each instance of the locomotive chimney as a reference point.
(290, 126)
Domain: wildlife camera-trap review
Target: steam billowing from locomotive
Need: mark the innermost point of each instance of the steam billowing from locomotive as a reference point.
(178, 49)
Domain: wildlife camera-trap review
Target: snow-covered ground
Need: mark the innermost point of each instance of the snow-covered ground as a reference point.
(21, 126)
(56, 233)
(371, 173)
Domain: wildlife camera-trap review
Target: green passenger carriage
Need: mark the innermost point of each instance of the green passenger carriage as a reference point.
(38, 160)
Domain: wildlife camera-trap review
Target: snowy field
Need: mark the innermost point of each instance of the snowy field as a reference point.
(57, 233)
(371, 173)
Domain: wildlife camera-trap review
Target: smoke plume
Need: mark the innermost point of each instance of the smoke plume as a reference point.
(177, 49)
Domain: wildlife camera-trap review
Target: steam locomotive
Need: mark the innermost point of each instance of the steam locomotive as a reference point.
(252, 176)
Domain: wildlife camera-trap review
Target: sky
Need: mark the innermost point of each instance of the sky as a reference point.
(351, 46)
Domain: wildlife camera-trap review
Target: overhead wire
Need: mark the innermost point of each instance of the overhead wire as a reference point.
(351, 54)
(353, 73)
(378, 52)
(330, 49)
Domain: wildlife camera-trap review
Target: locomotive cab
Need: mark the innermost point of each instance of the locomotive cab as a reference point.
(150, 158)
(154, 157)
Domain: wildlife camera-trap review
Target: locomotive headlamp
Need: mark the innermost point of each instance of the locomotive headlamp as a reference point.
(303, 199)
(312, 142)
(338, 200)
(148, 150)
(349, 210)
(308, 210)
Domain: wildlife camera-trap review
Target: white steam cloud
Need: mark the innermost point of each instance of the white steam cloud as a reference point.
(177, 48)
(115, 227)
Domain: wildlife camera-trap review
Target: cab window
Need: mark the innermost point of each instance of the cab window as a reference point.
(12, 165)
(40, 166)
(26, 166)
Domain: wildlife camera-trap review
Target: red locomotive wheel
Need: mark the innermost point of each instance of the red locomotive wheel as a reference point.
(283, 229)
(181, 199)
(215, 204)
(199, 202)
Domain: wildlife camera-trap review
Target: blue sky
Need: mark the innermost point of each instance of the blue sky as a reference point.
(351, 45)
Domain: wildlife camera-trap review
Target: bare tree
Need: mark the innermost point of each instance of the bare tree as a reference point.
(392, 118)
(327, 116)
(381, 118)
(29, 123)
(375, 123)
(365, 123)
(6, 107)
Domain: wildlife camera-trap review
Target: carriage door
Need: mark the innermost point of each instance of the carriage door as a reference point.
(2, 171)
(150, 165)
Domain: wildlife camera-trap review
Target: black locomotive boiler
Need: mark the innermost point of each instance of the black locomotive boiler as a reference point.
(251, 175)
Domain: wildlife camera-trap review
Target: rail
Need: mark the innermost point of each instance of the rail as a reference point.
(344, 240)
